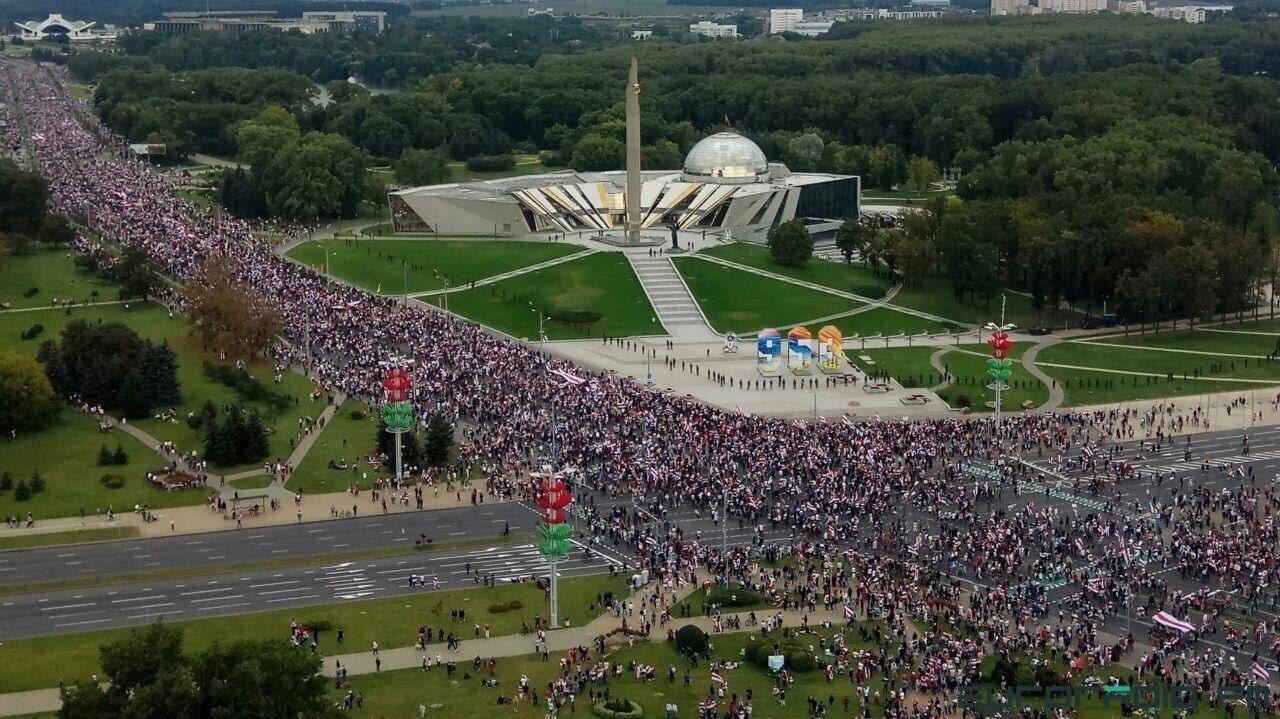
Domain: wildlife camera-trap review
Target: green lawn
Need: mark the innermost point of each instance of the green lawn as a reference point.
(934, 295)
(66, 456)
(51, 273)
(39, 662)
(911, 367)
(1087, 388)
(737, 301)
(856, 279)
(1197, 341)
(400, 693)
(380, 265)
(344, 441)
(970, 371)
(103, 534)
(525, 165)
(603, 282)
(883, 321)
(1084, 354)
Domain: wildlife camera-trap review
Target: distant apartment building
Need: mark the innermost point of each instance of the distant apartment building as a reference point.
(910, 13)
(1024, 7)
(706, 28)
(641, 34)
(784, 19)
(241, 20)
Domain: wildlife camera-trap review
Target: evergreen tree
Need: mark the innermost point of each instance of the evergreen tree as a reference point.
(119, 457)
(161, 373)
(104, 456)
(37, 482)
(135, 395)
(21, 493)
(6, 482)
(255, 446)
(438, 442)
(410, 450)
(217, 444)
(235, 430)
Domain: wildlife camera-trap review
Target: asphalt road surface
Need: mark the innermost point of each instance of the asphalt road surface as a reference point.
(255, 544)
(134, 604)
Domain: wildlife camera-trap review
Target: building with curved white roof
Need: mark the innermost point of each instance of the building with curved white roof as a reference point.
(726, 186)
(56, 24)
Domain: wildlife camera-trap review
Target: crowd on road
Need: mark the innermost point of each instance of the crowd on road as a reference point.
(886, 517)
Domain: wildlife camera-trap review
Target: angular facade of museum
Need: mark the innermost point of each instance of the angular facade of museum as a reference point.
(727, 187)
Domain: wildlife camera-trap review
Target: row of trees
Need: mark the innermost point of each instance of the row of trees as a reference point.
(430, 449)
(238, 438)
(1147, 263)
(24, 215)
(110, 366)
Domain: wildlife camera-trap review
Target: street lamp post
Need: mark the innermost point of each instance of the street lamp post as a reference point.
(542, 335)
(998, 367)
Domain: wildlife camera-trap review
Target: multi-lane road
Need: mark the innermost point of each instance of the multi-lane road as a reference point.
(218, 583)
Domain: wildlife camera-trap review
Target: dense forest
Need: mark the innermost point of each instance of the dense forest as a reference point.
(1073, 133)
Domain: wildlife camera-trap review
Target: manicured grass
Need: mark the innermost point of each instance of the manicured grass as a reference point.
(857, 279)
(603, 282)
(259, 482)
(934, 295)
(66, 456)
(102, 534)
(525, 165)
(345, 440)
(911, 367)
(737, 301)
(39, 662)
(197, 388)
(400, 693)
(51, 272)
(971, 372)
(379, 265)
(1092, 356)
(1088, 388)
(1198, 341)
(882, 321)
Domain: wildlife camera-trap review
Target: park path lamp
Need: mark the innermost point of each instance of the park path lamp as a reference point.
(999, 367)
(445, 280)
(554, 533)
(542, 334)
(397, 410)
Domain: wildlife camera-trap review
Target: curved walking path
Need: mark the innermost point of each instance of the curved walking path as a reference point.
(1056, 394)
(944, 374)
(505, 275)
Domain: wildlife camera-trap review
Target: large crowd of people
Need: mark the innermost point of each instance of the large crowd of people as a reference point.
(885, 517)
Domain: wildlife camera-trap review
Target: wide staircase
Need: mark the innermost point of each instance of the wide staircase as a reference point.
(675, 307)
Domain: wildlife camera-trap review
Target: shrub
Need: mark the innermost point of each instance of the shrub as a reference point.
(691, 640)
(31, 292)
(551, 158)
(358, 415)
(491, 163)
(576, 317)
(112, 481)
(318, 625)
(733, 597)
(908, 382)
(195, 421)
(962, 400)
(797, 656)
(505, 606)
(618, 709)
(33, 331)
(246, 385)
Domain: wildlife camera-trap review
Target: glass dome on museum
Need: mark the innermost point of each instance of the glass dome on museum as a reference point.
(726, 158)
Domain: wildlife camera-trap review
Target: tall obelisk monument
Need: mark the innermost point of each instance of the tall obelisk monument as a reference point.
(633, 155)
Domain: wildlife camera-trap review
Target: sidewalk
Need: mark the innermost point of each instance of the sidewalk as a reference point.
(199, 518)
